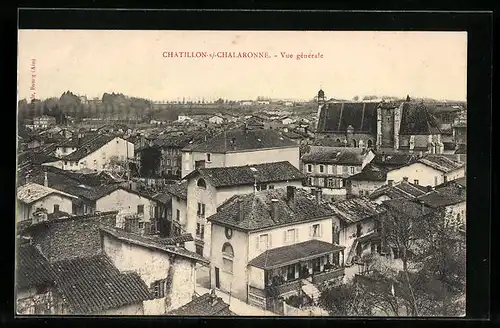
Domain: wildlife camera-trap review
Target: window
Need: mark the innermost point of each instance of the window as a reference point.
(178, 215)
(117, 141)
(270, 187)
(263, 242)
(74, 208)
(415, 182)
(202, 231)
(354, 143)
(158, 288)
(369, 143)
(227, 251)
(208, 158)
(199, 250)
(309, 181)
(140, 209)
(201, 183)
(316, 230)
(168, 162)
(201, 209)
(361, 192)
(445, 179)
(66, 163)
(198, 228)
(56, 208)
(290, 236)
(321, 182)
(309, 168)
(141, 225)
(321, 168)
(261, 186)
(352, 169)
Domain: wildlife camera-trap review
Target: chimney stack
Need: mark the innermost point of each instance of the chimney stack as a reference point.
(46, 180)
(405, 179)
(274, 209)
(290, 195)
(389, 182)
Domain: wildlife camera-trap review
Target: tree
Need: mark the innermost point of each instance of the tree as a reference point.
(345, 300)
(356, 98)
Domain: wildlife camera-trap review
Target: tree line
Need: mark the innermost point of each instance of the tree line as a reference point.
(114, 105)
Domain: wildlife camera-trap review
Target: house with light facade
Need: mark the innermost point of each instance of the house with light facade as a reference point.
(34, 200)
(273, 243)
(398, 190)
(429, 170)
(328, 167)
(238, 147)
(207, 188)
(97, 153)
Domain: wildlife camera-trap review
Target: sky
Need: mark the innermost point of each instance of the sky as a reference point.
(91, 62)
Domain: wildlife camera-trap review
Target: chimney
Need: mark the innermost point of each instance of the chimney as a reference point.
(46, 180)
(430, 188)
(319, 193)
(274, 209)
(241, 213)
(390, 182)
(290, 195)
(405, 179)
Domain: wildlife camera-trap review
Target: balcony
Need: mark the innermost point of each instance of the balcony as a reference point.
(327, 275)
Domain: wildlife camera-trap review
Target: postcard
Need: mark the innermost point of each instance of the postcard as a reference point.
(241, 173)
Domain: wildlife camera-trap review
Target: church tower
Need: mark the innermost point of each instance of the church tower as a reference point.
(321, 102)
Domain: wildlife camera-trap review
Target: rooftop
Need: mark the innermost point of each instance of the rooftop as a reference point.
(93, 284)
(178, 189)
(254, 211)
(417, 120)
(89, 147)
(369, 173)
(411, 208)
(356, 209)
(242, 140)
(441, 163)
(336, 117)
(402, 189)
(445, 195)
(32, 268)
(286, 255)
(335, 155)
(204, 305)
(32, 192)
(393, 159)
(248, 174)
(169, 245)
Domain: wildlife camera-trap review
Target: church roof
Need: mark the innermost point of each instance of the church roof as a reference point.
(337, 116)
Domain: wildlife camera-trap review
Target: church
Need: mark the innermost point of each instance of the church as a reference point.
(390, 126)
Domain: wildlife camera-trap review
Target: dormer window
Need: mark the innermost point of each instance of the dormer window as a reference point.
(201, 183)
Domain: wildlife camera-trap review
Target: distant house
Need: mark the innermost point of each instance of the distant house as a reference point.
(239, 147)
(97, 153)
(43, 122)
(246, 102)
(429, 170)
(279, 238)
(216, 119)
(207, 188)
(366, 181)
(33, 198)
(287, 120)
(328, 167)
(206, 305)
(184, 118)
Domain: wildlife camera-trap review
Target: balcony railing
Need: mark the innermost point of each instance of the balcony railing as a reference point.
(318, 278)
(284, 288)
